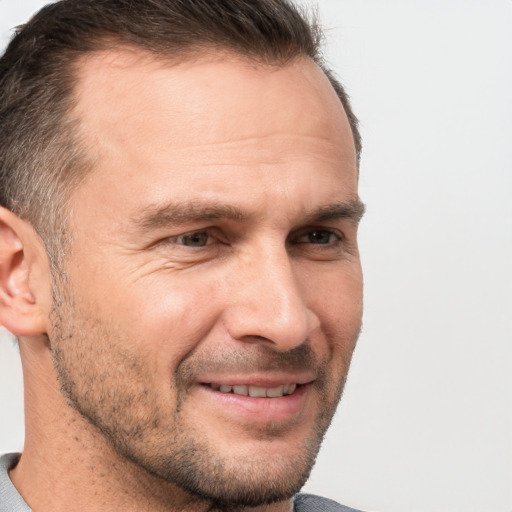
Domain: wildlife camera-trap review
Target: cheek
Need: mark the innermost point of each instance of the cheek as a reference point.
(170, 315)
(334, 293)
(337, 301)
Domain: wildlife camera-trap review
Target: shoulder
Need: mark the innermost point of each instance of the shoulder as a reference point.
(312, 503)
(10, 499)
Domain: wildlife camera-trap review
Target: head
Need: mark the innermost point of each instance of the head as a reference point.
(42, 156)
(191, 168)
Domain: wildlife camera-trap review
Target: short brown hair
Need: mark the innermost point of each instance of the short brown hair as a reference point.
(41, 157)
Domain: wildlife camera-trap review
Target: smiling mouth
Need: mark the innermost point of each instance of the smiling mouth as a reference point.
(256, 391)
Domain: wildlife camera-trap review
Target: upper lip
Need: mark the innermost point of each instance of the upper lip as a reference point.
(262, 381)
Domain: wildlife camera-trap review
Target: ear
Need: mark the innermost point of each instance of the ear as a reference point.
(24, 277)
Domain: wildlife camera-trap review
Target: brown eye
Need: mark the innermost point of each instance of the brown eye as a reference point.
(319, 237)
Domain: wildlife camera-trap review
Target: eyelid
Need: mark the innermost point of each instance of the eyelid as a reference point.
(324, 229)
(213, 235)
(191, 234)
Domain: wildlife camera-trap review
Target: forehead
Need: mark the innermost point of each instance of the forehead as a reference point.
(209, 121)
(132, 85)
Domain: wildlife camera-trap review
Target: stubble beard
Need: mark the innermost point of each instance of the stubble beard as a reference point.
(91, 365)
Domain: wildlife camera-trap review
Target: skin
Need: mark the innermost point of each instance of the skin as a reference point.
(215, 242)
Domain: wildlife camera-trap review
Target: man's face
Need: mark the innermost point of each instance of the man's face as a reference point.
(213, 293)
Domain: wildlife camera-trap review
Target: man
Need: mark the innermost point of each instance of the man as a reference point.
(178, 254)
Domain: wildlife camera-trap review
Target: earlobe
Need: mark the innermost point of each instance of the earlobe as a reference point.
(21, 298)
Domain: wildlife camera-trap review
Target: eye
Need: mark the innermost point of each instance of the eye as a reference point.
(197, 239)
(318, 237)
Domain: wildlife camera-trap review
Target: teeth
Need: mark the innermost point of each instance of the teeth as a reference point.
(258, 392)
(289, 389)
(275, 392)
(255, 391)
(240, 390)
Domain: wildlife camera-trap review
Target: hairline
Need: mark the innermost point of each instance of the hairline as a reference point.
(192, 55)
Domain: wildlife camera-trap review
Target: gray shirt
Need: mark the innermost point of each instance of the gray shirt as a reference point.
(11, 500)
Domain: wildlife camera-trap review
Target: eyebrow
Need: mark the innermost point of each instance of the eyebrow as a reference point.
(156, 216)
(159, 216)
(352, 210)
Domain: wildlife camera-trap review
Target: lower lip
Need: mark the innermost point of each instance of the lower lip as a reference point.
(260, 410)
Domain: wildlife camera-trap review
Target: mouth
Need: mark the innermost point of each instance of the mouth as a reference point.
(258, 399)
(255, 391)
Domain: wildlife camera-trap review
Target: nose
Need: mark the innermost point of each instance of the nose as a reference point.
(267, 303)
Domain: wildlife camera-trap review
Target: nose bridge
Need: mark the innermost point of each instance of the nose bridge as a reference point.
(269, 302)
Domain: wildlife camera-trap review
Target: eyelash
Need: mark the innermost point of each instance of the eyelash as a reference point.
(207, 238)
(323, 231)
(191, 235)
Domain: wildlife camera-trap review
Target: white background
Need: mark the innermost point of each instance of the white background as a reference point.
(426, 421)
